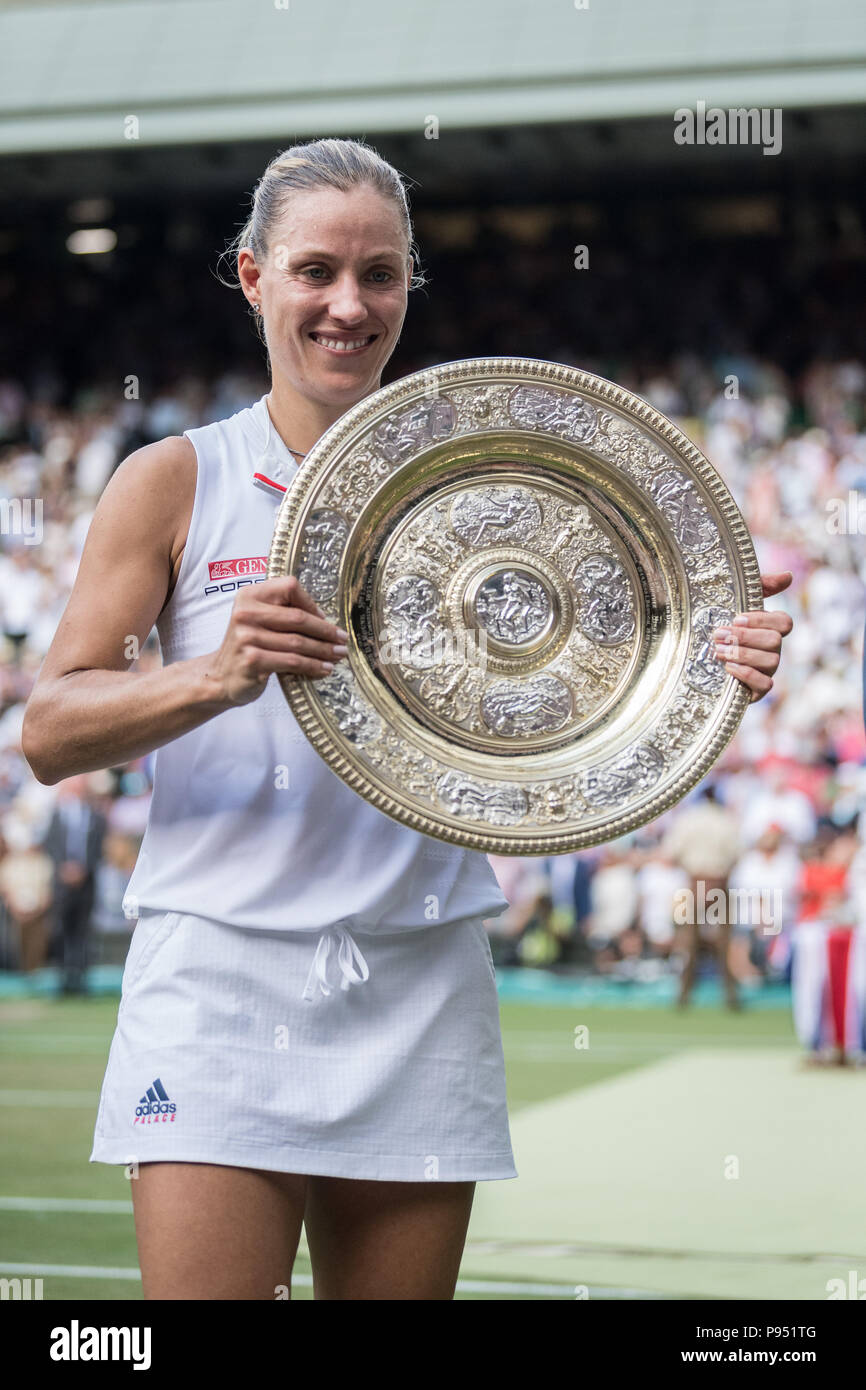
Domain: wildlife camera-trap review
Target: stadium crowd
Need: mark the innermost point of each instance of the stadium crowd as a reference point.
(780, 813)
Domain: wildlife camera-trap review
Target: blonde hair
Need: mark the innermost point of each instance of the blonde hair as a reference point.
(330, 163)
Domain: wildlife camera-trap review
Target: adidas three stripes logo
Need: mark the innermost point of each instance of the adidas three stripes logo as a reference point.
(155, 1106)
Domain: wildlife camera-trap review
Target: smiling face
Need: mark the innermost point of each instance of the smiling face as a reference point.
(333, 291)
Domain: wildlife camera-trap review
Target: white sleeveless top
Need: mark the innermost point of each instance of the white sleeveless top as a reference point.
(226, 838)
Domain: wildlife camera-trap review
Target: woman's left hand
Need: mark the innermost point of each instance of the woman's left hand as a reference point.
(752, 646)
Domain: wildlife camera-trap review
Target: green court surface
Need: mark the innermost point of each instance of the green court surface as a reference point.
(674, 1155)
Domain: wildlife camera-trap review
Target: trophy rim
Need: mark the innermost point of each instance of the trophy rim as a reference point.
(523, 370)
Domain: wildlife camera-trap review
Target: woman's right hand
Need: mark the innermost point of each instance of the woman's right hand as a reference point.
(275, 626)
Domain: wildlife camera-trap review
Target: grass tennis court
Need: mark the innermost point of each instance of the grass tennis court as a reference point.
(677, 1155)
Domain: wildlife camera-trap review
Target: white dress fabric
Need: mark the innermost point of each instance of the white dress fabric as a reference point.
(309, 986)
(377, 1056)
(247, 823)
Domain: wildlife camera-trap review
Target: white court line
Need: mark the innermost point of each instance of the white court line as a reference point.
(18, 1033)
(104, 1206)
(12, 1042)
(108, 1207)
(95, 1205)
(551, 1049)
(68, 1271)
(306, 1281)
(654, 1036)
(77, 1100)
(550, 1290)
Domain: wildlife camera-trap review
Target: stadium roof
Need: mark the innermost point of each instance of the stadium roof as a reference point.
(218, 70)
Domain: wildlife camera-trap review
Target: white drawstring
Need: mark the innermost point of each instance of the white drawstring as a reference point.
(348, 956)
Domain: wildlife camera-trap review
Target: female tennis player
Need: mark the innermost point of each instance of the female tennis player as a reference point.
(308, 1030)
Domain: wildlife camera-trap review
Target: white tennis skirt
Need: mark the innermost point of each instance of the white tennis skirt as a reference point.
(351, 1055)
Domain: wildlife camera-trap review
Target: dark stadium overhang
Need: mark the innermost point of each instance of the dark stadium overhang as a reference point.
(77, 76)
(825, 148)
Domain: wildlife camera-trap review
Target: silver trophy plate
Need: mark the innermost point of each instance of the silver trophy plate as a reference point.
(530, 563)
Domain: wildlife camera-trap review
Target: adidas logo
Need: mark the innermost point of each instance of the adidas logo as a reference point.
(155, 1106)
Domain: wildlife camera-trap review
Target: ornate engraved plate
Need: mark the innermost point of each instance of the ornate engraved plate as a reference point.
(530, 563)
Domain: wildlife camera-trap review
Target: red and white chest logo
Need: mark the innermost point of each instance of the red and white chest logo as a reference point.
(232, 569)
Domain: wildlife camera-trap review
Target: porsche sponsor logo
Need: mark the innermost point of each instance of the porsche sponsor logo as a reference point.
(228, 576)
(229, 569)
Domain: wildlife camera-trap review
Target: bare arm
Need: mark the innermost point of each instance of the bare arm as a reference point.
(87, 709)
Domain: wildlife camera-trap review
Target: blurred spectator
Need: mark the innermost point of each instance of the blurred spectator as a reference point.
(766, 877)
(613, 901)
(525, 882)
(776, 803)
(21, 587)
(705, 843)
(26, 881)
(659, 879)
(823, 879)
(571, 896)
(74, 842)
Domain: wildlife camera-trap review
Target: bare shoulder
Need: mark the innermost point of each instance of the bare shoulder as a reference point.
(130, 559)
(160, 476)
(153, 489)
